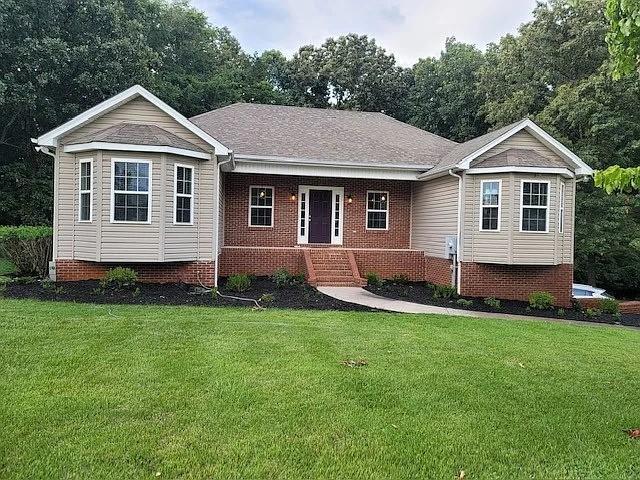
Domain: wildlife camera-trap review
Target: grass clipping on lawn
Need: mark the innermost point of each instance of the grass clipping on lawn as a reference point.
(110, 391)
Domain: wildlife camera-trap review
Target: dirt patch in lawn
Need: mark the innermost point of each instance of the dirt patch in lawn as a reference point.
(300, 296)
(419, 292)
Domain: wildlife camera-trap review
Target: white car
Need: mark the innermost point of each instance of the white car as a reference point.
(587, 291)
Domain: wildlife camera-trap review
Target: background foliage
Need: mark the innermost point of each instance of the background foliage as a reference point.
(556, 70)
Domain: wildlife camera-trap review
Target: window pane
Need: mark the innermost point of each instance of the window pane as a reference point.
(143, 184)
(132, 184)
(132, 169)
(534, 219)
(377, 220)
(490, 218)
(85, 206)
(120, 169)
(261, 197)
(490, 193)
(183, 210)
(260, 216)
(143, 170)
(131, 207)
(377, 201)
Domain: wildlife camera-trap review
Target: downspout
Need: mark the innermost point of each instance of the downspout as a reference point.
(217, 202)
(457, 259)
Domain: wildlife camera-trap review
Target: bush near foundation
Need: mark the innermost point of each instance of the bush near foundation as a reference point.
(28, 248)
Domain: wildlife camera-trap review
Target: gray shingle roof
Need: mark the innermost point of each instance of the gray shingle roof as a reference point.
(519, 157)
(139, 134)
(461, 150)
(337, 136)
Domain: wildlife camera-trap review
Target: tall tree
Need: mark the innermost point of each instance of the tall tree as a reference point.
(444, 98)
(623, 37)
(562, 44)
(349, 72)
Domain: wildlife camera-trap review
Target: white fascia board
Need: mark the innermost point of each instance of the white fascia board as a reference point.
(50, 139)
(565, 172)
(582, 168)
(272, 168)
(317, 162)
(129, 147)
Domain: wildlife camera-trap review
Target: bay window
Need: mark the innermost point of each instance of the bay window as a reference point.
(131, 191)
(85, 203)
(534, 206)
(491, 191)
(183, 194)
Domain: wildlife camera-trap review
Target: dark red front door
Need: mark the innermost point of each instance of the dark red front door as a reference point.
(320, 213)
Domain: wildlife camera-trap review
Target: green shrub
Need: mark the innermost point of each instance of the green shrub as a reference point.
(266, 298)
(283, 278)
(541, 300)
(593, 312)
(561, 312)
(238, 283)
(444, 291)
(400, 279)
(493, 303)
(28, 248)
(610, 306)
(119, 278)
(463, 302)
(373, 279)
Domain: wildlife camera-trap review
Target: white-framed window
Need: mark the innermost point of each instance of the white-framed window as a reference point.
(534, 206)
(85, 185)
(183, 194)
(261, 206)
(130, 191)
(377, 210)
(561, 207)
(490, 205)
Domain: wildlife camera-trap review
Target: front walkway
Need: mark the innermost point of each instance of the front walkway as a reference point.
(361, 296)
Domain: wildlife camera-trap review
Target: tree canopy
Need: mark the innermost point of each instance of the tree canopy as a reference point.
(556, 69)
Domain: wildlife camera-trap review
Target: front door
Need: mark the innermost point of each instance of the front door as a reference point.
(319, 216)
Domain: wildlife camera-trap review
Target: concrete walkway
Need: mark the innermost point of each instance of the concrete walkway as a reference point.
(361, 296)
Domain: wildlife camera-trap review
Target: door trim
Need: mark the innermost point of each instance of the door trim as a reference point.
(337, 212)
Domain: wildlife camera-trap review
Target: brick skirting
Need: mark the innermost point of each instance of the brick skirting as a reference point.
(169, 272)
(629, 307)
(516, 282)
(437, 270)
(260, 260)
(265, 261)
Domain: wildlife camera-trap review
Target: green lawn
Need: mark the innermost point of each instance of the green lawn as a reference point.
(127, 392)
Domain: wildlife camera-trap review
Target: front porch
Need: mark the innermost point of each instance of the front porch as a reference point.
(332, 230)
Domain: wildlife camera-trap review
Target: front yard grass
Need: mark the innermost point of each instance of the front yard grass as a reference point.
(115, 391)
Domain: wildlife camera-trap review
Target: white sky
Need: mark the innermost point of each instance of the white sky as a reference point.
(410, 29)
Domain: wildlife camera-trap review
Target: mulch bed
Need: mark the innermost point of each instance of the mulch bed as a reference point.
(419, 292)
(295, 296)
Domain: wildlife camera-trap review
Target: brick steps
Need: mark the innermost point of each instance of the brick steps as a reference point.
(332, 267)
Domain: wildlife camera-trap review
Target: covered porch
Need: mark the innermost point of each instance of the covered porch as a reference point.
(334, 230)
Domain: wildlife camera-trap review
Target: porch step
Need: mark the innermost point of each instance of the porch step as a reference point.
(332, 267)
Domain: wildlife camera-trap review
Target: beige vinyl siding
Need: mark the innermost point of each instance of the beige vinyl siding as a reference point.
(160, 240)
(434, 214)
(137, 110)
(509, 245)
(521, 140)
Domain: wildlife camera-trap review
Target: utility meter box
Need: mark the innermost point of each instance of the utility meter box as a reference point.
(450, 245)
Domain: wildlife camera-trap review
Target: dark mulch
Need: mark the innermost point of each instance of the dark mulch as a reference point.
(295, 296)
(419, 292)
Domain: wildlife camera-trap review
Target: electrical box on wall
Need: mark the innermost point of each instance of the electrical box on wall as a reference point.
(450, 245)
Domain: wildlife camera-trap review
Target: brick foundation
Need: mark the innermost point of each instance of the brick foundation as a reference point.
(516, 282)
(390, 263)
(260, 260)
(629, 307)
(169, 272)
(265, 261)
(437, 270)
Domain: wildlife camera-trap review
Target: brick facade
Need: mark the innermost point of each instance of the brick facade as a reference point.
(284, 232)
(266, 260)
(516, 282)
(170, 272)
(438, 270)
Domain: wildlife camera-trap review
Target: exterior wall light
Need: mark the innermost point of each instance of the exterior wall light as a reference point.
(350, 199)
(293, 196)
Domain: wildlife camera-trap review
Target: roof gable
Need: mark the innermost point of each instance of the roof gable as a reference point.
(461, 156)
(51, 138)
